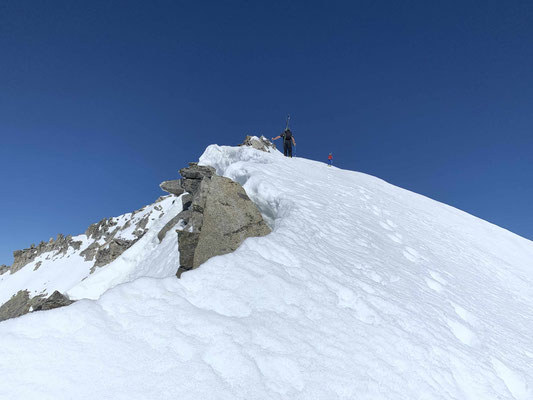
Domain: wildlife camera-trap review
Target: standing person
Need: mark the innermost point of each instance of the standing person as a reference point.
(330, 159)
(288, 141)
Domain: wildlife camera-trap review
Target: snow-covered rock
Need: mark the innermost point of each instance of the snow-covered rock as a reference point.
(363, 290)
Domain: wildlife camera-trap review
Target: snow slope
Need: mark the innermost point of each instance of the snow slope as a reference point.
(362, 291)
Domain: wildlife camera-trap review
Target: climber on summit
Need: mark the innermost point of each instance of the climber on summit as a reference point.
(288, 141)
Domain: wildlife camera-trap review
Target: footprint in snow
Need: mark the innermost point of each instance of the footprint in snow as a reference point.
(391, 224)
(376, 211)
(411, 254)
(436, 282)
(438, 277)
(463, 333)
(515, 382)
(386, 226)
(374, 276)
(465, 315)
(346, 298)
(395, 237)
(434, 285)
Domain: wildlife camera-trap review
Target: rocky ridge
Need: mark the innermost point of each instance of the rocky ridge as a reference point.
(58, 246)
(216, 217)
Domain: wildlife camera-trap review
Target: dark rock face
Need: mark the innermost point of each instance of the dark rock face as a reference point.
(261, 143)
(192, 177)
(55, 300)
(172, 187)
(21, 304)
(168, 226)
(195, 171)
(218, 216)
(112, 250)
(3, 269)
(90, 252)
(18, 305)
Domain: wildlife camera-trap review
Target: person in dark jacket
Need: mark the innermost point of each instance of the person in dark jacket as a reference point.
(288, 141)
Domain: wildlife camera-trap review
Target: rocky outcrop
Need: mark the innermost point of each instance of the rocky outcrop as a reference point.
(59, 246)
(111, 251)
(3, 269)
(217, 217)
(258, 143)
(18, 305)
(56, 300)
(112, 247)
(101, 229)
(21, 304)
(172, 187)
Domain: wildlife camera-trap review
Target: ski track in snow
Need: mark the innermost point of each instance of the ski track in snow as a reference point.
(363, 290)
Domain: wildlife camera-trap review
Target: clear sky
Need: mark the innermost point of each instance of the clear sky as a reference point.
(100, 101)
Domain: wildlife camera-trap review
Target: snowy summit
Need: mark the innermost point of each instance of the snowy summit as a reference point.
(362, 290)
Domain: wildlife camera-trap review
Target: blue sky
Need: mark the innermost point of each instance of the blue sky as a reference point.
(102, 100)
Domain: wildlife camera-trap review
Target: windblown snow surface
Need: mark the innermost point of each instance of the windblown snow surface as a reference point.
(362, 291)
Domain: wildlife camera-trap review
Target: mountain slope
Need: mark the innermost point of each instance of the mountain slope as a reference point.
(363, 290)
(82, 266)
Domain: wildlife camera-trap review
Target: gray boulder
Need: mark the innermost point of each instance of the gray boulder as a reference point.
(219, 216)
(195, 171)
(21, 304)
(56, 300)
(172, 187)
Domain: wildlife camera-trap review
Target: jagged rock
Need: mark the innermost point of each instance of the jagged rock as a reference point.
(22, 258)
(187, 241)
(100, 229)
(140, 228)
(195, 171)
(21, 304)
(3, 269)
(111, 251)
(190, 185)
(16, 306)
(168, 226)
(261, 143)
(219, 216)
(90, 252)
(172, 187)
(186, 200)
(55, 300)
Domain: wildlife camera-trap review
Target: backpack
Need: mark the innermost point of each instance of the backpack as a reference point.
(287, 135)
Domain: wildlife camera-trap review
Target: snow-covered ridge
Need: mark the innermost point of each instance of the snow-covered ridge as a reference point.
(363, 290)
(67, 262)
